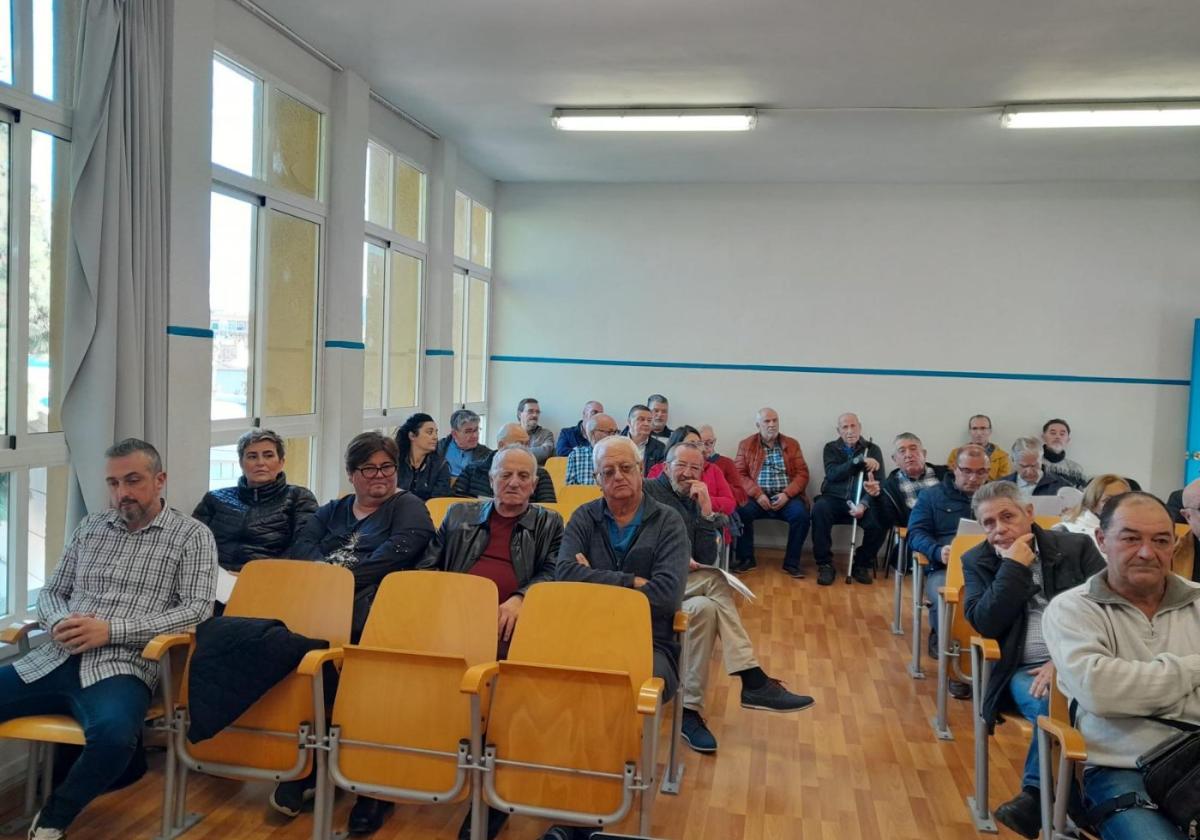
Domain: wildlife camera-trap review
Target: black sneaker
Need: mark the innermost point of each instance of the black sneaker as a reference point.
(773, 697)
(743, 566)
(289, 798)
(796, 572)
(368, 814)
(1022, 813)
(932, 647)
(696, 733)
(862, 574)
(826, 575)
(495, 821)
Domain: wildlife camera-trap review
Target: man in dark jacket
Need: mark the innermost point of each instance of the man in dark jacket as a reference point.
(845, 458)
(628, 539)
(651, 450)
(476, 479)
(892, 499)
(461, 447)
(1009, 581)
(571, 436)
(1031, 477)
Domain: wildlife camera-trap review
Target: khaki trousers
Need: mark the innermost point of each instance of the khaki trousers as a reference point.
(708, 601)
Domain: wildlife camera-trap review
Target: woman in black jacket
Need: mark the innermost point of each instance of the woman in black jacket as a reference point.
(261, 516)
(420, 469)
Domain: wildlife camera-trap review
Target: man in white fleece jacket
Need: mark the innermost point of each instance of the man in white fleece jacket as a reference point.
(1127, 647)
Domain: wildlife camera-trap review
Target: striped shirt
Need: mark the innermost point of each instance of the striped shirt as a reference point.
(580, 468)
(159, 579)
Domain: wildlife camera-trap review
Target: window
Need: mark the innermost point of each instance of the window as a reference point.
(267, 235)
(471, 289)
(37, 42)
(394, 256)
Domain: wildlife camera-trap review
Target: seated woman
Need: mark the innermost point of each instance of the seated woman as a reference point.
(1084, 518)
(420, 469)
(261, 515)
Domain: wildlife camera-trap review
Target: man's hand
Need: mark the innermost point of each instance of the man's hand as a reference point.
(764, 502)
(639, 582)
(698, 491)
(78, 633)
(582, 560)
(870, 463)
(779, 501)
(693, 565)
(871, 486)
(946, 555)
(509, 611)
(1043, 678)
(1020, 551)
(858, 510)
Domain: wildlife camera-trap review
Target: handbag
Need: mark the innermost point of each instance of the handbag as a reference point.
(1171, 773)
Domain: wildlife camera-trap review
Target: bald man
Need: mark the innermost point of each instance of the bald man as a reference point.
(1187, 548)
(573, 436)
(476, 483)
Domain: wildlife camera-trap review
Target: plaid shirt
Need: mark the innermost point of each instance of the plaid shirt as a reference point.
(773, 477)
(160, 579)
(911, 487)
(580, 468)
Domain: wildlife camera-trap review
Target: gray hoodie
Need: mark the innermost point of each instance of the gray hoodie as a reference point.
(1121, 666)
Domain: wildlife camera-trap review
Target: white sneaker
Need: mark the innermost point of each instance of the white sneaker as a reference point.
(41, 833)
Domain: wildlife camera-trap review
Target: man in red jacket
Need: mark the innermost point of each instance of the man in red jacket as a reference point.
(774, 476)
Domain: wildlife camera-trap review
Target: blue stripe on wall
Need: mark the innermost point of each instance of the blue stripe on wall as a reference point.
(345, 345)
(943, 374)
(430, 351)
(190, 332)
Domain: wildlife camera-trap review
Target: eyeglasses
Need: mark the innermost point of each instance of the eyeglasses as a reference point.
(708, 442)
(372, 471)
(624, 469)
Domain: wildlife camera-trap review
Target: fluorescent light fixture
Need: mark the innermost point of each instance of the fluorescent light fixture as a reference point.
(654, 119)
(1102, 115)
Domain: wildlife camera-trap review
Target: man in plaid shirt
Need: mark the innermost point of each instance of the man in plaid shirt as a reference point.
(580, 469)
(128, 574)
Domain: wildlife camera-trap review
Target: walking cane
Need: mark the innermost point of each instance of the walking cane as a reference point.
(858, 489)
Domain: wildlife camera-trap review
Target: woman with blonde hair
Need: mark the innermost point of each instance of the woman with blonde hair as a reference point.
(1084, 518)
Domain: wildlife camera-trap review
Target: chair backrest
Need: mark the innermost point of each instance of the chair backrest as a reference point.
(557, 508)
(961, 629)
(1181, 530)
(572, 496)
(424, 630)
(1047, 522)
(557, 467)
(438, 505)
(1184, 559)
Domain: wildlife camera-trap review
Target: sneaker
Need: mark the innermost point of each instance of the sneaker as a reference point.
(1022, 813)
(862, 574)
(743, 566)
(289, 798)
(773, 697)
(959, 690)
(696, 734)
(368, 814)
(826, 575)
(932, 647)
(796, 573)
(37, 832)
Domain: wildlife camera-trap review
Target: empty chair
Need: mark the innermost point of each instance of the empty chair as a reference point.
(438, 505)
(954, 632)
(557, 467)
(574, 495)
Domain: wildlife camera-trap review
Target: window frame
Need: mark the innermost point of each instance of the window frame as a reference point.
(473, 270)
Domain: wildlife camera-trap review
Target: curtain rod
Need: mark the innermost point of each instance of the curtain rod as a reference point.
(323, 57)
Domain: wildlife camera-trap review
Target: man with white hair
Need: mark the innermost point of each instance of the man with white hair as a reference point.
(571, 436)
(580, 468)
(476, 480)
(846, 457)
(1186, 560)
(1031, 477)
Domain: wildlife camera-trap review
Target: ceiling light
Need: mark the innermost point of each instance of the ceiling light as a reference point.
(1102, 115)
(656, 119)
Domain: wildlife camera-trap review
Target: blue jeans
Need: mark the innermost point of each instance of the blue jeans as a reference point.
(111, 713)
(1103, 783)
(1029, 707)
(794, 513)
(933, 582)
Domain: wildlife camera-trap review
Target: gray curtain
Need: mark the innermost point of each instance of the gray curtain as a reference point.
(116, 301)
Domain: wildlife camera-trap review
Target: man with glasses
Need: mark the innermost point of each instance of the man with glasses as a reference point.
(580, 469)
(1187, 548)
(933, 524)
(979, 428)
(476, 480)
(727, 466)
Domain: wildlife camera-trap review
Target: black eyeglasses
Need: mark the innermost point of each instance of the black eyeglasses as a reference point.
(372, 471)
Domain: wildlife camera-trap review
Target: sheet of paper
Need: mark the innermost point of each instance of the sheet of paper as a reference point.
(737, 586)
(1047, 505)
(225, 582)
(969, 527)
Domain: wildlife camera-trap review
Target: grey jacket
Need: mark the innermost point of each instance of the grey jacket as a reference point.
(1120, 666)
(541, 443)
(702, 533)
(659, 553)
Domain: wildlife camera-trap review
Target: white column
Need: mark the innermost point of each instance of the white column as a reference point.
(438, 371)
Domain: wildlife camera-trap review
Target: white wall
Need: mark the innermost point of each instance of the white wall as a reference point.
(1068, 279)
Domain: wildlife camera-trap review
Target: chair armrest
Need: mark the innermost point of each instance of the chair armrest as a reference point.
(650, 695)
(952, 594)
(477, 676)
(1068, 737)
(989, 648)
(14, 634)
(157, 647)
(681, 621)
(922, 560)
(902, 530)
(311, 664)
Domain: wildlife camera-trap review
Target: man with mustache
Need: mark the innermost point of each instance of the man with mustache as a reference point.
(1056, 434)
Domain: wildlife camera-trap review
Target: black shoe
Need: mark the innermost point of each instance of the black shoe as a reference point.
(1022, 813)
(743, 566)
(932, 647)
(367, 815)
(495, 821)
(696, 734)
(959, 690)
(773, 697)
(794, 572)
(862, 574)
(826, 575)
(559, 832)
(289, 798)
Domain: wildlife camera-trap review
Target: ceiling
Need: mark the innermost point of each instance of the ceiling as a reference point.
(487, 74)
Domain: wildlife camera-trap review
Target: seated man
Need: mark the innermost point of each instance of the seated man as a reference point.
(580, 469)
(628, 539)
(509, 541)
(727, 466)
(127, 575)
(891, 500)
(1009, 581)
(1056, 434)
(651, 450)
(1031, 479)
(462, 447)
(979, 429)
(932, 526)
(541, 439)
(1127, 648)
(660, 411)
(845, 458)
(476, 479)
(573, 436)
(1186, 560)
(774, 477)
(708, 601)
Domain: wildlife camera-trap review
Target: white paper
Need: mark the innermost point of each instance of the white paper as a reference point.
(734, 584)
(225, 582)
(1047, 505)
(969, 527)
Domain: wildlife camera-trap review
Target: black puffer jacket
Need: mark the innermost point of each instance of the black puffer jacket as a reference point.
(250, 523)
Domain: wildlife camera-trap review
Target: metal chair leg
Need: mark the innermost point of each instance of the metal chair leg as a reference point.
(941, 727)
(898, 595)
(978, 804)
(914, 667)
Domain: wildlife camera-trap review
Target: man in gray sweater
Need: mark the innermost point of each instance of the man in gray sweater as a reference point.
(1127, 647)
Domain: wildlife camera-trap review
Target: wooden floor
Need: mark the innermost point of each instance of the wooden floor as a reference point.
(863, 763)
